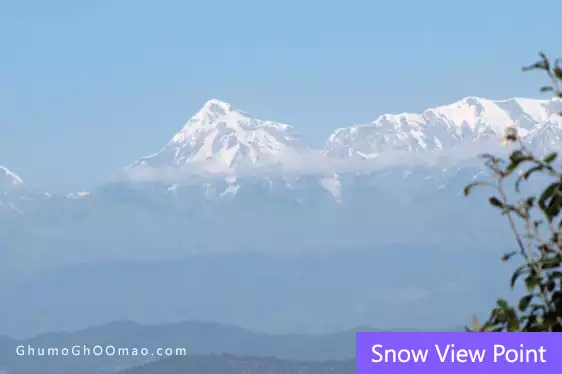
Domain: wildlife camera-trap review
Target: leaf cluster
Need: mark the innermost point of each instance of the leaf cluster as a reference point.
(536, 224)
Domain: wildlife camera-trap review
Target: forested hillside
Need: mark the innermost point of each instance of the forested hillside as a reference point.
(226, 364)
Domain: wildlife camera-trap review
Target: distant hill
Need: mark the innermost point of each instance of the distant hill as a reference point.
(213, 347)
(198, 338)
(226, 364)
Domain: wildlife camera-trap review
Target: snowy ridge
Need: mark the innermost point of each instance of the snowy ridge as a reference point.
(221, 142)
(10, 184)
(77, 195)
(8, 178)
(221, 138)
(547, 137)
(358, 189)
(470, 119)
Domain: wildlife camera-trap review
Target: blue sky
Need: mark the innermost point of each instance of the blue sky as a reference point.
(88, 86)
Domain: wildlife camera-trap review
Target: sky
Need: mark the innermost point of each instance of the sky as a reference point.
(87, 87)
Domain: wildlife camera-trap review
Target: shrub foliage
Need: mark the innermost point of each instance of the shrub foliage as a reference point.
(536, 223)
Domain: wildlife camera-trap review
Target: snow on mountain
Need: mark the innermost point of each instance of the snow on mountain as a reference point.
(322, 207)
(8, 178)
(221, 138)
(221, 143)
(469, 120)
(9, 182)
(548, 136)
(77, 195)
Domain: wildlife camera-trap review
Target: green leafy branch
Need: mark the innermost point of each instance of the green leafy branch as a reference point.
(538, 234)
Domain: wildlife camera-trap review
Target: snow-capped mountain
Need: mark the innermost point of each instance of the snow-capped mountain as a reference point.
(221, 138)
(220, 144)
(10, 186)
(8, 178)
(345, 199)
(468, 120)
(547, 137)
(337, 203)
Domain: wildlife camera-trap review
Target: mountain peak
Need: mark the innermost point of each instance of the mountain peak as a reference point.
(8, 178)
(220, 138)
(473, 100)
(217, 106)
(466, 120)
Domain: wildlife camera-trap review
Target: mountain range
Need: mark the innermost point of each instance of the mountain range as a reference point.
(228, 169)
(223, 140)
(220, 138)
(229, 183)
(195, 337)
(210, 343)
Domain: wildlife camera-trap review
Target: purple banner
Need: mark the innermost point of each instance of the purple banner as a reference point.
(458, 352)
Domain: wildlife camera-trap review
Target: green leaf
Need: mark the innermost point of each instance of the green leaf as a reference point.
(516, 274)
(514, 164)
(557, 72)
(543, 65)
(553, 207)
(496, 202)
(530, 202)
(545, 60)
(531, 283)
(555, 275)
(507, 256)
(551, 157)
(503, 304)
(513, 325)
(550, 263)
(516, 156)
(524, 302)
(545, 248)
(534, 66)
(548, 192)
(526, 175)
(469, 187)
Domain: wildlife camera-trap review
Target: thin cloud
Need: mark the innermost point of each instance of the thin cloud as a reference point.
(316, 163)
